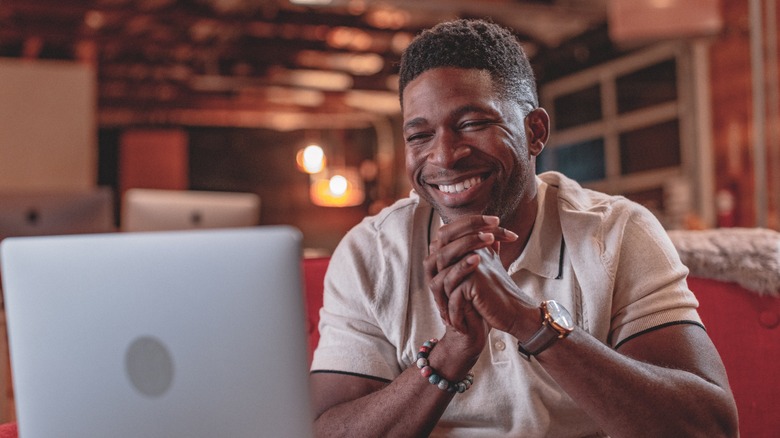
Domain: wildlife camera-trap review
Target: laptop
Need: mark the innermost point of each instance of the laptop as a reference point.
(196, 333)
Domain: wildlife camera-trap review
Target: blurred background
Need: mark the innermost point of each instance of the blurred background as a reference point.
(119, 112)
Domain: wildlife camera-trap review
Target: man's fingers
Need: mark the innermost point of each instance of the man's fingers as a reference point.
(467, 225)
(458, 286)
(440, 297)
(446, 286)
(456, 251)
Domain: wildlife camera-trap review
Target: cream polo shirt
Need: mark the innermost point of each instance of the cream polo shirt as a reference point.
(604, 258)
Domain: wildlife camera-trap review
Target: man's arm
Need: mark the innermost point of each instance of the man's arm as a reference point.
(348, 405)
(666, 382)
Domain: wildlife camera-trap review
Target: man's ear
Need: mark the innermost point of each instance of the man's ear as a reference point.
(537, 130)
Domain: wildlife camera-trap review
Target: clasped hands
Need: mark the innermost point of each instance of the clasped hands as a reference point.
(469, 283)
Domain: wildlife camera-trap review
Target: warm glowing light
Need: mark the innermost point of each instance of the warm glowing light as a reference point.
(338, 185)
(311, 159)
(343, 189)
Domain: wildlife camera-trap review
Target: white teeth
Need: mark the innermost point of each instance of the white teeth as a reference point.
(461, 186)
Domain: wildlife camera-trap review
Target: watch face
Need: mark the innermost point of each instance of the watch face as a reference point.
(560, 316)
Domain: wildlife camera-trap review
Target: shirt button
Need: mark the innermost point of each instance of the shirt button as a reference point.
(500, 345)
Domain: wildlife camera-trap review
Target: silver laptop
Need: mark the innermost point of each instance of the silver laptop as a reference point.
(166, 334)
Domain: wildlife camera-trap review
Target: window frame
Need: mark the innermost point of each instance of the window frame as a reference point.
(691, 109)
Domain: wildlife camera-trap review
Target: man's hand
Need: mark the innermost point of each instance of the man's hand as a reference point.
(466, 275)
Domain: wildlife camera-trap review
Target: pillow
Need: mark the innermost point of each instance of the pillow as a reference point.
(749, 257)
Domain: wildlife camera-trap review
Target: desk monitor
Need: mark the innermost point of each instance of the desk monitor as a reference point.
(162, 210)
(39, 213)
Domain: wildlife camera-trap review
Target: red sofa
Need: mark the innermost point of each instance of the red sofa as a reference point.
(745, 328)
(314, 274)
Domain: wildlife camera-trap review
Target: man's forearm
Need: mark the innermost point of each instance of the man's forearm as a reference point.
(408, 406)
(629, 397)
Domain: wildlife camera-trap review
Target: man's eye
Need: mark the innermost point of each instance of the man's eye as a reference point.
(417, 138)
(472, 125)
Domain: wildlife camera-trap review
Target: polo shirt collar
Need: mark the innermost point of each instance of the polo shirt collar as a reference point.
(543, 254)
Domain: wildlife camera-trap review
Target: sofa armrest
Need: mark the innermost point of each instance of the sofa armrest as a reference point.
(745, 328)
(314, 280)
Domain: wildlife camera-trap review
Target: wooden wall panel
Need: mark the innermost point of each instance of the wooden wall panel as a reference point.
(154, 159)
(47, 125)
(733, 115)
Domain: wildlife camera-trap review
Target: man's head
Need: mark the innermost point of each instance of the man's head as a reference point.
(472, 44)
(472, 128)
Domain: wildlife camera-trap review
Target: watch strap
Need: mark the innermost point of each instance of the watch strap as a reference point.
(549, 332)
(540, 341)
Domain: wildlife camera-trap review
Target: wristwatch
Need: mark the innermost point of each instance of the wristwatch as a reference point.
(556, 324)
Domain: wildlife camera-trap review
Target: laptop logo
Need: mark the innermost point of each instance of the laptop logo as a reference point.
(149, 366)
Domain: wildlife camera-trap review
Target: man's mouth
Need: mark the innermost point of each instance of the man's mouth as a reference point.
(460, 186)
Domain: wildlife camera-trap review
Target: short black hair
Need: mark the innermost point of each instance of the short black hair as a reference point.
(470, 43)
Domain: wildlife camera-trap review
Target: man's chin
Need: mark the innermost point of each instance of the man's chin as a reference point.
(450, 214)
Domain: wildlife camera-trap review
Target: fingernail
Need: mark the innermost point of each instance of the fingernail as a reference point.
(491, 220)
(512, 234)
(486, 237)
(472, 259)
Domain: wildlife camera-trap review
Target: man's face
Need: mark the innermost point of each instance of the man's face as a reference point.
(466, 148)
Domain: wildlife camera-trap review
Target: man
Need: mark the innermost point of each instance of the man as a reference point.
(469, 257)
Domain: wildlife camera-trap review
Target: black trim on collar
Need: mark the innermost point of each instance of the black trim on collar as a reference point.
(430, 223)
(560, 260)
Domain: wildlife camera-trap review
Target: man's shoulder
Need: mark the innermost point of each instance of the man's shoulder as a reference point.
(574, 198)
(382, 247)
(396, 226)
(400, 210)
(401, 214)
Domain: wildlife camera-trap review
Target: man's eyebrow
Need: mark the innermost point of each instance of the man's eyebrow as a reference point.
(415, 122)
(472, 109)
(418, 121)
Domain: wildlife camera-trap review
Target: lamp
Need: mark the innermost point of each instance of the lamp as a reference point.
(337, 188)
(332, 185)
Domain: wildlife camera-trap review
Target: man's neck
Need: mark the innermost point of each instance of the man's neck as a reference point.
(522, 223)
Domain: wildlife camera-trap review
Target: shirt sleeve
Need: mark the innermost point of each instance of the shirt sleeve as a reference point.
(351, 338)
(651, 289)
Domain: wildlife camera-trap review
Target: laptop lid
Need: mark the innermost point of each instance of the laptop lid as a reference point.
(166, 334)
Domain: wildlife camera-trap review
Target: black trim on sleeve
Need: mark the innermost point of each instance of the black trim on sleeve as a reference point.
(658, 327)
(346, 373)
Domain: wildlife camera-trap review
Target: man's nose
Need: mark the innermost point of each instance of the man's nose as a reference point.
(447, 149)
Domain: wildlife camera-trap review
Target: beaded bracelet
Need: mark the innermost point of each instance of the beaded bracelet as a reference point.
(430, 374)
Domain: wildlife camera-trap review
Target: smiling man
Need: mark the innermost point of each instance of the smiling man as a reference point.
(495, 302)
